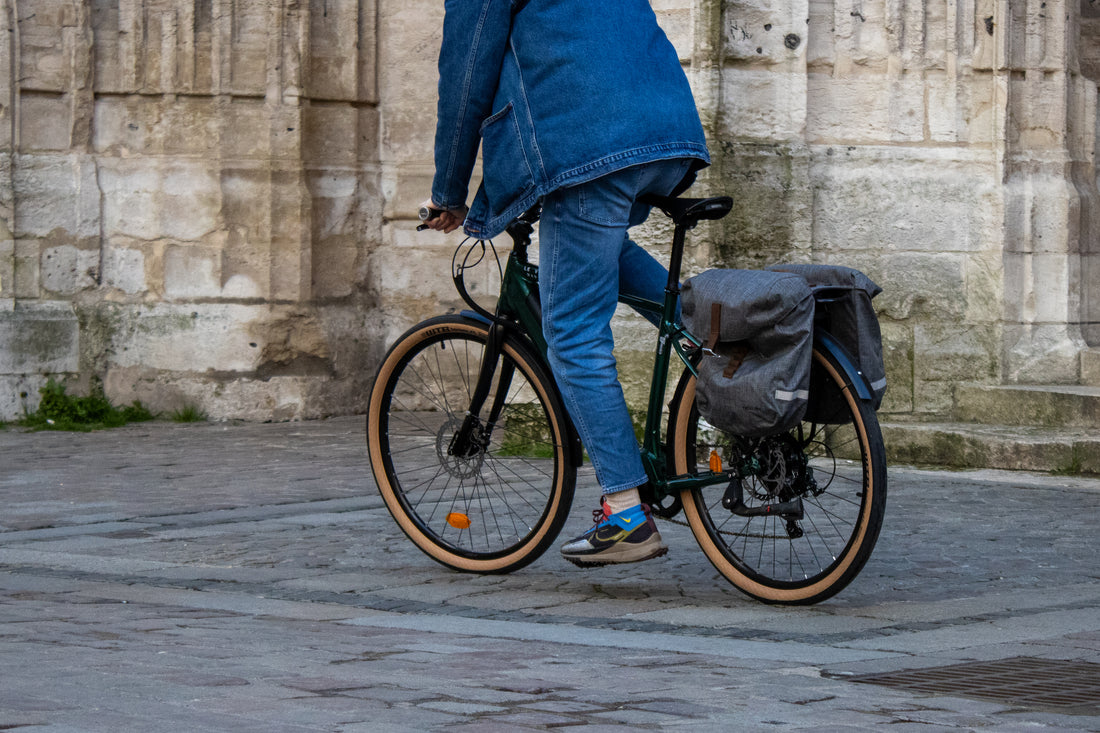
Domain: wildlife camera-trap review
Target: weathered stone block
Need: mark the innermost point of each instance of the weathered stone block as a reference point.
(404, 189)
(983, 283)
(44, 59)
(1089, 45)
(1090, 367)
(341, 213)
(898, 357)
(769, 223)
(45, 122)
(157, 125)
(947, 122)
(7, 273)
(25, 263)
(409, 87)
(331, 133)
(1039, 203)
(871, 108)
(418, 266)
(979, 109)
(19, 394)
(66, 270)
(191, 202)
(277, 398)
(943, 351)
(333, 72)
(124, 269)
(1042, 281)
(130, 191)
(762, 104)
(771, 33)
(59, 197)
(190, 338)
(1047, 406)
(41, 338)
(1042, 353)
(676, 21)
(921, 286)
(245, 130)
(862, 39)
(191, 271)
(148, 198)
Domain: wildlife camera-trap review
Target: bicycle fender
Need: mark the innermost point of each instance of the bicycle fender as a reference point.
(855, 378)
(475, 316)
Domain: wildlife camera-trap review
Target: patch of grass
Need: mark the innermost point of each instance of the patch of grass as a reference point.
(188, 413)
(60, 411)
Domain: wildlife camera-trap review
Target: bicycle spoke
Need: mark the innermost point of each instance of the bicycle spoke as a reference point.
(495, 491)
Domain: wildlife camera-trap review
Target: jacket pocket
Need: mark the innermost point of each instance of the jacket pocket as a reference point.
(506, 172)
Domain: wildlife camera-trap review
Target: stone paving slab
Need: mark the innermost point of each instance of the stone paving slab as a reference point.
(247, 577)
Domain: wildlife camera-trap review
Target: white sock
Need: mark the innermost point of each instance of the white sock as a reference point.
(620, 501)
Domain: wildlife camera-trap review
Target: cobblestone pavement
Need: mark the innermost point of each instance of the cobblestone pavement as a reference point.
(223, 577)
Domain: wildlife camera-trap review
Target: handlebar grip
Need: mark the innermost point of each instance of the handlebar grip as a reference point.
(426, 213)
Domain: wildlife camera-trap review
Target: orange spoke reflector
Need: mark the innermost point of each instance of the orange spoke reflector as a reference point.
(715, 461)
(458, 521)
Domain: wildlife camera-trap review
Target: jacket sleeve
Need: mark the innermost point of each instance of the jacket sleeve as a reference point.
(475, 38)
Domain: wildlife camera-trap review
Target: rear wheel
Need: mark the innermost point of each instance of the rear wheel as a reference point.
(831, 469)
(500, 501)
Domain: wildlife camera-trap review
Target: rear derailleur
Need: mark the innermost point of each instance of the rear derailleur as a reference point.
(780, 476)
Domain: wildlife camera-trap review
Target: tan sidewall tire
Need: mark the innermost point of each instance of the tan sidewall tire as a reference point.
(720, 562)
(535, 377)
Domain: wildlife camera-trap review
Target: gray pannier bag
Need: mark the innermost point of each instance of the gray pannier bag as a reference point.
(844, 309)
(757, 333)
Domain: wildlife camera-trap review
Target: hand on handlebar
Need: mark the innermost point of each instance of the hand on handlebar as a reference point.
(441, 220)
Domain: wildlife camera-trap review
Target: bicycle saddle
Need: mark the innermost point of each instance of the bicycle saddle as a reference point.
(689, 212)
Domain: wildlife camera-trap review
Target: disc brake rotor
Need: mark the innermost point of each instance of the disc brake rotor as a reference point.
(461, 467)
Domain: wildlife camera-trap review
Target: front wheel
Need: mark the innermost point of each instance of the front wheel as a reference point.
(495, 499)
(828, 474)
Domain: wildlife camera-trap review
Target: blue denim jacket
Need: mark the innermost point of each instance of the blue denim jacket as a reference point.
(557, 92)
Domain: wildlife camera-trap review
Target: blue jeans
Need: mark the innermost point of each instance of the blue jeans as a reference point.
(585, 260)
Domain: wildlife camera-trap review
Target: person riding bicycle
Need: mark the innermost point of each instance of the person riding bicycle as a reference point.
(583, 105)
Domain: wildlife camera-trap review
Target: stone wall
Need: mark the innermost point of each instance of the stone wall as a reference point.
(212, 202)
(945, 149)
(189, 192)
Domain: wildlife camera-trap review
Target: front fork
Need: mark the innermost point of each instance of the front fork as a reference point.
(473, 437)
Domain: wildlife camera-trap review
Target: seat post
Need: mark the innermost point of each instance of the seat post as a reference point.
(676, 258)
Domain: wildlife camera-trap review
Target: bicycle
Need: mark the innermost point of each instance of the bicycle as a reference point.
(476, 457)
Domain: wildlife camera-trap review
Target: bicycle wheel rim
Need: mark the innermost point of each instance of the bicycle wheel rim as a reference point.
(490, 512)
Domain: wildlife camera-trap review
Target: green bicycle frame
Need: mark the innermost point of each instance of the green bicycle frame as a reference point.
(518, 307)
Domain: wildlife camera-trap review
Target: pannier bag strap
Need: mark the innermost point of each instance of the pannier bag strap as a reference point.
(736, 351)
(715, 325)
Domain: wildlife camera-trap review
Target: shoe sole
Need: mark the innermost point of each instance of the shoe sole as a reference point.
(593, 561)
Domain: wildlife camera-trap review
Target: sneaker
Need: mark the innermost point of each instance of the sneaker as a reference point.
(629, 536)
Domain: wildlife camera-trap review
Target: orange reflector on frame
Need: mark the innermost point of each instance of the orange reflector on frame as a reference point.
(715, 461)
(458, 521)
